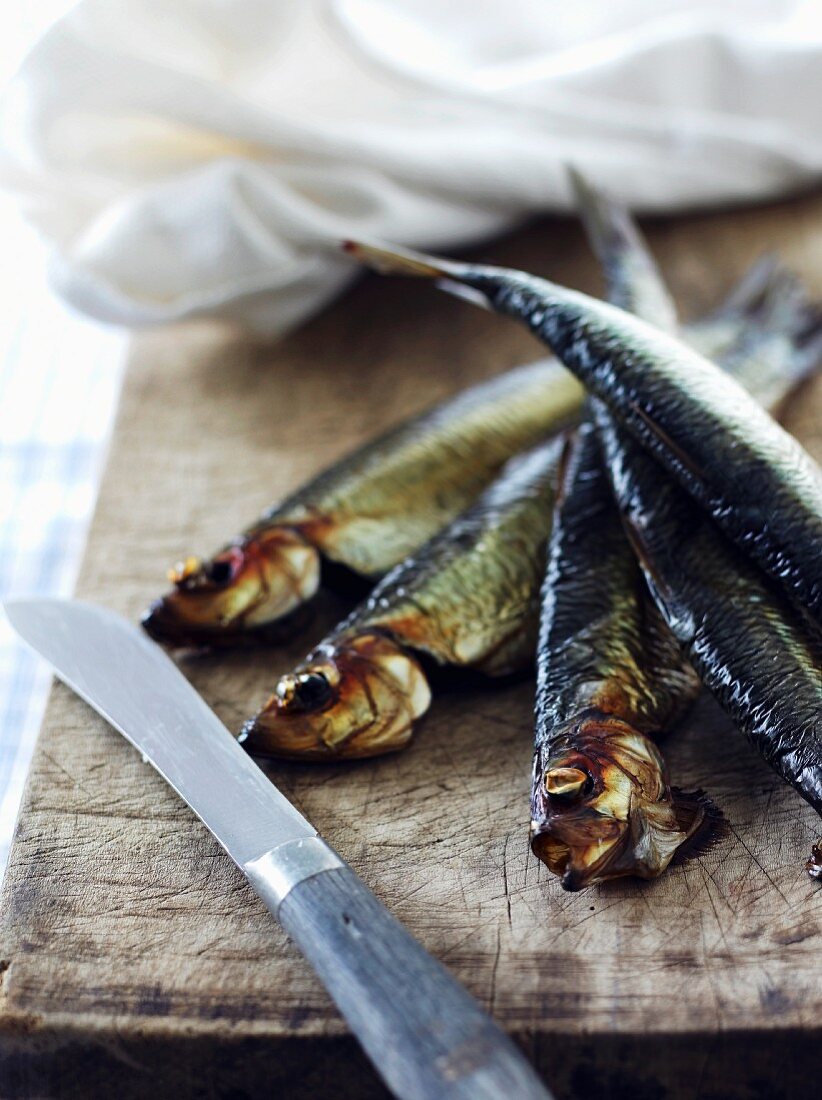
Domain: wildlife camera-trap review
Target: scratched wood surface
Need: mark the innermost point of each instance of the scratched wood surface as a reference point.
(134, 959)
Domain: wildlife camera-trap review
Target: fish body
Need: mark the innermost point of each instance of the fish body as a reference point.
(611, 674)
(368, 512)
(468, 599)
(758, 483)
(610, 677)
(758, 655)
(382, 502)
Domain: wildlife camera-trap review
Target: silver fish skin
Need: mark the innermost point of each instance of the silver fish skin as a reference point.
(469, 598)
(752, 649)
(610, 675)
(610, 678)
(383, 501)
(756, 653)
(759, 484)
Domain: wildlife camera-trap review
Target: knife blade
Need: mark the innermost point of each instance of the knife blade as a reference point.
(425, 1035)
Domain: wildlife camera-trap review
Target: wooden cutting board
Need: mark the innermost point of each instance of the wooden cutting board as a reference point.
(135, 960)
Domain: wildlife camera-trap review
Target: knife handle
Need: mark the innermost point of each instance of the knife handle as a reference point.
(425, 1034)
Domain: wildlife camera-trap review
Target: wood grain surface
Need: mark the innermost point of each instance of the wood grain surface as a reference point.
(134, 959)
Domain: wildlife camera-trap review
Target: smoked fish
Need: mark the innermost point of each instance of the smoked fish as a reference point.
(468, 599)
(762, 488)
(386, 499)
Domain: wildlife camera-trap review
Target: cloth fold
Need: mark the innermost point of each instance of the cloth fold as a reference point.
(204, 157)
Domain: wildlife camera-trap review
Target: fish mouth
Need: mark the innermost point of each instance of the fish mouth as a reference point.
(597, 859)
(163, 625)
(250, 592)
(356, 697)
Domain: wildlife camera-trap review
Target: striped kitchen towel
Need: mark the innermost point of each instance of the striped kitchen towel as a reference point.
(59, 381)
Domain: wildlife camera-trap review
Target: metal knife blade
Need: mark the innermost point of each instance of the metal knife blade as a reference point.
(131, 682)
(426, 1036)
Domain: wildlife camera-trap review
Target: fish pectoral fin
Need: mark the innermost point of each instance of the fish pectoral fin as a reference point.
(701, 820)
(670, 607)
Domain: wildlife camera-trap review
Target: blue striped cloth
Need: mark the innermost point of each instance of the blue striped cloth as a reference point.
(59, 381)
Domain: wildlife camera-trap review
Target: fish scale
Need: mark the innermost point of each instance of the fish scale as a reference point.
(404, 487)
(610, 675)
(381, 503)
(478, 575)
(468, 598)
(760, 485)
(757, 654)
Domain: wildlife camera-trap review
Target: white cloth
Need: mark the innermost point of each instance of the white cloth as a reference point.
(197, 156)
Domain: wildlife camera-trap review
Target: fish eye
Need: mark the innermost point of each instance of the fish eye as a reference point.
(313, 691)
(305, 691)
(220, 571)
(567, 783)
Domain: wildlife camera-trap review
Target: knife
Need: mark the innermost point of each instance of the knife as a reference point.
(424, 1033)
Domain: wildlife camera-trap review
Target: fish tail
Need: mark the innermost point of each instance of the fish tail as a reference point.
(464, 280)
(774, 299)
(634, 282)
(608, 224)
(753, 289)
(784, 305)
(401, 261)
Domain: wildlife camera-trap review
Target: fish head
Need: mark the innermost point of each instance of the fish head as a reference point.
(601, 806)
(356, 696)
(243, 593)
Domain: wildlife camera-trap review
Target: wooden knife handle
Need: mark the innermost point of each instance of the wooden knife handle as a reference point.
(426, 1035)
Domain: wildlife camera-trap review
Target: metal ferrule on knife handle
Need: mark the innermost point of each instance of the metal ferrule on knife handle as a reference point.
(429, 1037)
(425, 1033)
(275, 873)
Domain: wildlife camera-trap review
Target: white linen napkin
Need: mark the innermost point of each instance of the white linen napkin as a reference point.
(198, 157)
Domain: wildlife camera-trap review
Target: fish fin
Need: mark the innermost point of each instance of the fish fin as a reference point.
(570, 441)
(754, 288)
(701, 819)
(607, 222)
(783, 305)
(402, 261)
(661, 591)
(806, 361)
(772, 298)
(633, 278)
(449, 275)
(659, 432)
